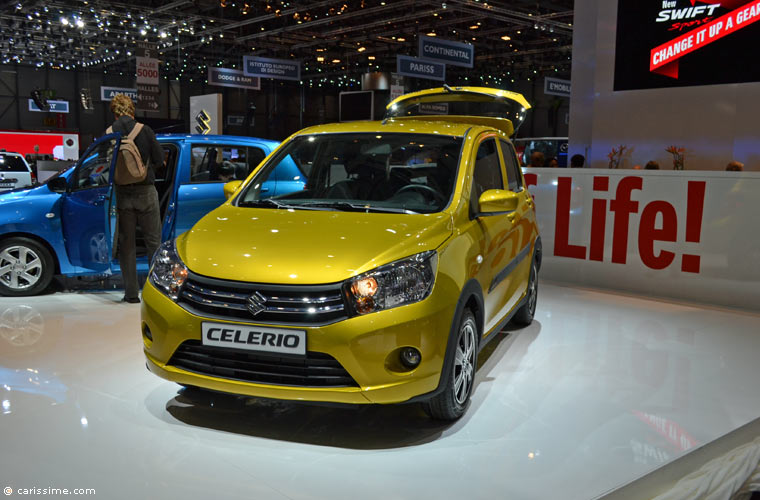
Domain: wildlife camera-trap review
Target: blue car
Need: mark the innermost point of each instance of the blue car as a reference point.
(67, 225)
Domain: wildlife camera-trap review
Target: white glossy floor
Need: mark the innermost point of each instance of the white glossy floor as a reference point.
(599, 390)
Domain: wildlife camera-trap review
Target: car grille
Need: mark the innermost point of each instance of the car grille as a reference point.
(316, 369)
(279, 304)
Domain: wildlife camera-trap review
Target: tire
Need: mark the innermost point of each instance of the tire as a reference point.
(451, 403)
(524, 315)
(26, 267)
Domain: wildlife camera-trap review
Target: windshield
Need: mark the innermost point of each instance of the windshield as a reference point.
(405, 173)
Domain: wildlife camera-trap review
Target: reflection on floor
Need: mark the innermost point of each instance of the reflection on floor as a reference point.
(599, 390)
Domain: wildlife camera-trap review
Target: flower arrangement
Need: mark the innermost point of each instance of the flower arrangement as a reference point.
(677, 156)
(616, 156)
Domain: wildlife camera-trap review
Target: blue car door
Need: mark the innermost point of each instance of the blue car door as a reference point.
(86, 205)
(211, 166)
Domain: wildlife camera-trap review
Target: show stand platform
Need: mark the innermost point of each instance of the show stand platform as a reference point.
(600, 393)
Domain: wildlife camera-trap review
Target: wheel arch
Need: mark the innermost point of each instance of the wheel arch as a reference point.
(37, 239)
(471, 298)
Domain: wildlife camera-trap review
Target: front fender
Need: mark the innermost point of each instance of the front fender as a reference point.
(36, 213)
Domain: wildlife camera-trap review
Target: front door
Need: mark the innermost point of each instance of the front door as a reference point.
(86, 225)
(495, 233)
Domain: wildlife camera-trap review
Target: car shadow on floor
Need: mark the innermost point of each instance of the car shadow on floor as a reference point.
(365, 427)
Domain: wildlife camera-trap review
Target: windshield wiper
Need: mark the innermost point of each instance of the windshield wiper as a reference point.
(357, 207)
(270, 203)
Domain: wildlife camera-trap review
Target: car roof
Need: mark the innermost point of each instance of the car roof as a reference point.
(216, 138)
(393, 125)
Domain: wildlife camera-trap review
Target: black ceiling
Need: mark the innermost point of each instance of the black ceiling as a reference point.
(513, 39)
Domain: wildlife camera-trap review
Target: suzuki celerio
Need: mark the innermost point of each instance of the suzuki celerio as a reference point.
(412, 242)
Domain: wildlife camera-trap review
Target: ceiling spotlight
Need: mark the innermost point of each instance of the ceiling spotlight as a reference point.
(143, 32)
(65, 21)
(361, 49)
(506, 38)
(371, 58)
(80, 23)
(474, 27)
(336, 61)
(401, 39)
(432, 33)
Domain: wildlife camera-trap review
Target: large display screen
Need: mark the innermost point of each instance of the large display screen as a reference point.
(678, 43)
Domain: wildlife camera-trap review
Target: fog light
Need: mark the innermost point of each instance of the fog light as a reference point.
(410, 357)
(146, 333)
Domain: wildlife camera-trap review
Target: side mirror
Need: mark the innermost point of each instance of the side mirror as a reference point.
(230, 188)
(496, 202)
(58, 184)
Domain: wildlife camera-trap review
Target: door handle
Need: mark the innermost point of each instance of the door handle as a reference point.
(511, 217)
(264, 190)
(99, 199)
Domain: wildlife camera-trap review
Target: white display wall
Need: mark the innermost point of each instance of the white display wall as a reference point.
(715, 123)
(691, 236)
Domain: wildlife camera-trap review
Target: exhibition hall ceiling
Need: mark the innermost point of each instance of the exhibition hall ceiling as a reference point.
(519, 38)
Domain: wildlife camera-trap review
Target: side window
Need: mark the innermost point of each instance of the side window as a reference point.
(221, 163)
(487, 173)
(513, 170)
(94, 171)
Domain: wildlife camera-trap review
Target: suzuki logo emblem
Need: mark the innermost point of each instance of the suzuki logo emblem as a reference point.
(256, 303)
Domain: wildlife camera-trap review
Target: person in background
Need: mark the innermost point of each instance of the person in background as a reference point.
(735, 166)
(577, 161)
(138, 202)
(537, 159)
(652, 165)
(552, 163)
(226, 172)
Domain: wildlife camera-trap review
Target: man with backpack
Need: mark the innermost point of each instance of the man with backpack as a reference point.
(136, 195)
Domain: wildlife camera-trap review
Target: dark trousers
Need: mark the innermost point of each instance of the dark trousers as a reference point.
(136, 205)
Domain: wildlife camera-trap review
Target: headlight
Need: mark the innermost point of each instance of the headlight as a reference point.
(168, 273)
(402, 282)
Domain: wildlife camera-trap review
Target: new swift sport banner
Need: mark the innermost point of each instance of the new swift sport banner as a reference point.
(668, 234)
(675, 43)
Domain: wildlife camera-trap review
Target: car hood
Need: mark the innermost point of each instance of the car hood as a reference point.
(304, 246)
(17, 194)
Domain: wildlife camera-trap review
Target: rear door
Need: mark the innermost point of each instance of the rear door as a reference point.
(85, 207)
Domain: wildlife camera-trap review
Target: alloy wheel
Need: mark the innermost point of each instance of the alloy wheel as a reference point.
(20, 267)
(464, 363)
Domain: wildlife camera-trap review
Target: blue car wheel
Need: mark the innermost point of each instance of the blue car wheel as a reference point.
(26, 267)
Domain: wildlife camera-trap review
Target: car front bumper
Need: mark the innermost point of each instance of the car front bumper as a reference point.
(366, 346)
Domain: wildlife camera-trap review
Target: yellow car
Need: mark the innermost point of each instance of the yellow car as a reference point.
(407, 246)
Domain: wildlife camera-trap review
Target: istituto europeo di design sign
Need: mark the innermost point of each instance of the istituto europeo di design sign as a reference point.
(264, 67)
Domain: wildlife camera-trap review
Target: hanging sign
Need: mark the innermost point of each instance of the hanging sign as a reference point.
(420, 68)
(448, 51)
(53, 107)
(264, 67)
(107, 93)
(226, 77)
(556, 86)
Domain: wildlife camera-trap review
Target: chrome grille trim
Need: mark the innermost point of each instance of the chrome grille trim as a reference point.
(283, 304)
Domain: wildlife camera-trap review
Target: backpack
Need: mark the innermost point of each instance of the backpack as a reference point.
(129, 165)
